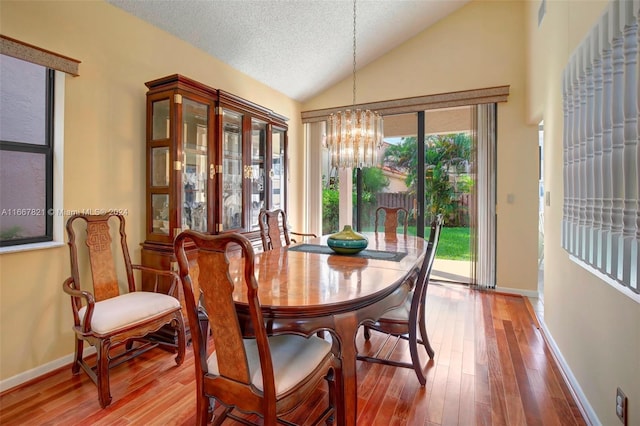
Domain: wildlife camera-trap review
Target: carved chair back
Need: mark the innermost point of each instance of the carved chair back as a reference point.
(273, 229)
(393, 216)
(100, 254)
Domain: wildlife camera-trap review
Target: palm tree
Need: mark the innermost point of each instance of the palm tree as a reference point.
(445, 155)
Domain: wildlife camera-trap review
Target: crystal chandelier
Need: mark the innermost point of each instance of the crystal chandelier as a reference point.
(354, 136)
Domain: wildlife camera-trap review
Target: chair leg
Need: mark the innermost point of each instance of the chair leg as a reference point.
(415, 359)
(104, 393)
(425, 338)
(338, 389)
(75, 367)
(367, 333)
(202, 413)
(204, 328)
(331, 381)
(182, 339)
(219, 419)
(212, 408)
(427, 346)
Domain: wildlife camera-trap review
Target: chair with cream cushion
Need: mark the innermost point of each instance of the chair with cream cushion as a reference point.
(409, 319)
(268, 376)
(119, 324)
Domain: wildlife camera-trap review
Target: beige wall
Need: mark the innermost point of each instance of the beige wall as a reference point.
(104, 163)
(596, 328)
(480, 45)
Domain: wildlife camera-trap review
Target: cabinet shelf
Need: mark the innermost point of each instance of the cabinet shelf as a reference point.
(232, 155)
(197, 150)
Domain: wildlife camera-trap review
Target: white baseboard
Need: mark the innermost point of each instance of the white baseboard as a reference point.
(525, 293)
(41, 370)
(583, 403)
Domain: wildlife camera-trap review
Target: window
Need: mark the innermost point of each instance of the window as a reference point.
(601, 215)
(26, 152)
(32, 81)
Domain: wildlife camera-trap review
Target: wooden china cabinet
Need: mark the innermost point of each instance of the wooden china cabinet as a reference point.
(213, 161)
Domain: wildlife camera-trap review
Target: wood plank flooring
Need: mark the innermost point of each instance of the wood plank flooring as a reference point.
(492, 367)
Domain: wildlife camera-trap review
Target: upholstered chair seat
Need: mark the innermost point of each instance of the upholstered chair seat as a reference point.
(128, 310)
(294, 358)
(401, 313)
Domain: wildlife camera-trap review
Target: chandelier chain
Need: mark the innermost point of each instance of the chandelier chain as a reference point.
(354, 138)
(354, 54)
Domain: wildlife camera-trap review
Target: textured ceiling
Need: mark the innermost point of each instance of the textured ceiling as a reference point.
(298, 47)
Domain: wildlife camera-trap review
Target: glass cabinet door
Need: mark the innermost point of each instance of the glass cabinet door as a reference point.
(256, 171)
(194, 170)
(159, 165)
(160, 213)
(232, 185)
(160, 120)
(276, 174)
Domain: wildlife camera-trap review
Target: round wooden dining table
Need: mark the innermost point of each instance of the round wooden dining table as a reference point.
(304, 289)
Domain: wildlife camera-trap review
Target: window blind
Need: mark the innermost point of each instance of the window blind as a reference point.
(30, 53)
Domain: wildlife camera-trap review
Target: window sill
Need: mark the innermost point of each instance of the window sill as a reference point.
(31, 247)
(613, 283)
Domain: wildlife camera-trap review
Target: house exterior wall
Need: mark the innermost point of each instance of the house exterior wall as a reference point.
(396, 181)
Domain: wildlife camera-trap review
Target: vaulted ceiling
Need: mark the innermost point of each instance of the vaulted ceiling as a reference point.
(298, 47)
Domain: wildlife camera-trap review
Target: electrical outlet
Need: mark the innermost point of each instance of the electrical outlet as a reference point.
(621, 406)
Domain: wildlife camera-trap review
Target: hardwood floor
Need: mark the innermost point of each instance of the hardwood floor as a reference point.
(492, 367)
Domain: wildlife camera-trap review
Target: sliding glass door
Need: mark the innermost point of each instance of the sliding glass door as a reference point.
(430, 178)
(451, 171)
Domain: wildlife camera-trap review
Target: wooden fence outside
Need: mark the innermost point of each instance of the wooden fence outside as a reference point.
(397, 199)
(408, 201)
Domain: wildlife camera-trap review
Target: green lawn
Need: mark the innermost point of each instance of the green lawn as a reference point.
(454, 243)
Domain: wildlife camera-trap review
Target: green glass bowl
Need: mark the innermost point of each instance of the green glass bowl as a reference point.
(347, 241)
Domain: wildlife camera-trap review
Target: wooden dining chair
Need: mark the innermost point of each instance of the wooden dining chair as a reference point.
(266, 375)
(405, 321)
(393, 216)
(107, 317)
(274, 230)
